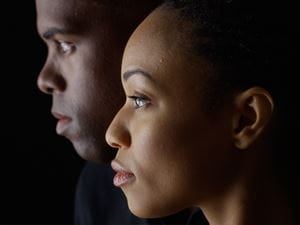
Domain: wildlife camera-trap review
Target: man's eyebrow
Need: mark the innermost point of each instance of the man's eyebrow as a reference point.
(129, 73)
(53, 31)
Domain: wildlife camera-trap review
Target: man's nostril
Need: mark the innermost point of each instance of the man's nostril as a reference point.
(49, 90)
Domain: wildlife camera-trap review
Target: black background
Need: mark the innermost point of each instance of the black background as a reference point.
(39, 169)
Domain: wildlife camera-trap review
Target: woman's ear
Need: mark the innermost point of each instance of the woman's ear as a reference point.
(252, 112)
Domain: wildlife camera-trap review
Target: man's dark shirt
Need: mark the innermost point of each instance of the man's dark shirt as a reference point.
(98, 201)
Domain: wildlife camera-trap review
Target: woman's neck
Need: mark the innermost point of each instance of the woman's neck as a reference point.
(256, 198)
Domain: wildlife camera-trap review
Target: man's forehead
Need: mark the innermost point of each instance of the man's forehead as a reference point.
(70, 14)
(85, 15)
(70, 8)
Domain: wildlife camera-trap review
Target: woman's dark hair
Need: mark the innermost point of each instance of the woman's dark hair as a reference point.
(244, 41)
(249, 42)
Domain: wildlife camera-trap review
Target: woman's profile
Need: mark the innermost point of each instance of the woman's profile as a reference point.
(198, 125)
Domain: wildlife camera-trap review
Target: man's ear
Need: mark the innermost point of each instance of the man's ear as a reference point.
(253, 110)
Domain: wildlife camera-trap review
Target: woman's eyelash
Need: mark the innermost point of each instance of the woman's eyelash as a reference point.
(139, 101)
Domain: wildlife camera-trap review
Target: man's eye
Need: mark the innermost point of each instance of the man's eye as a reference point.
(139, 101)
(65, 47)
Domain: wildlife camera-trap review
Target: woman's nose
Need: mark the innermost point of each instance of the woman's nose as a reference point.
(117, 134)
(50, 80)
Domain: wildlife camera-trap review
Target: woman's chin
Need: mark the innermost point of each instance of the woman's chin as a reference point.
(149, 210)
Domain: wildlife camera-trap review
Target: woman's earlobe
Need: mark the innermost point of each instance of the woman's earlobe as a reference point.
(253, 111)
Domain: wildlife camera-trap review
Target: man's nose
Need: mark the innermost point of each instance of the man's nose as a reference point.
(50, 79)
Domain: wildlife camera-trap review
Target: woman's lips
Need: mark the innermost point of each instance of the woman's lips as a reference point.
(62, 123)
(122, 176)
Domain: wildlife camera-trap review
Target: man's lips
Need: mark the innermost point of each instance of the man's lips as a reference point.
(63, 122)
(122, 176)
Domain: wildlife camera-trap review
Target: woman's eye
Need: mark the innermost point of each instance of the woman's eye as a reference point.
(139, 101)
(65, 47)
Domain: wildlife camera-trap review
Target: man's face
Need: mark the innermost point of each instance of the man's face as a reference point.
(81, 73)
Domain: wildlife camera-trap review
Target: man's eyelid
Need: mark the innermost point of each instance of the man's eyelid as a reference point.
(66, 38)
(65, 47)
(63, 41)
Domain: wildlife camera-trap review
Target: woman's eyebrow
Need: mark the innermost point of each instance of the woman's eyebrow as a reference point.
(130, 73)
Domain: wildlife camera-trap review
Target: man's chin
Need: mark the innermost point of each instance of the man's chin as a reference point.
(102, 154)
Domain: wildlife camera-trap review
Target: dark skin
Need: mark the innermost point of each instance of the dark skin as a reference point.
(85, 45)
(162, 129)
(85, 42)
(82, 69)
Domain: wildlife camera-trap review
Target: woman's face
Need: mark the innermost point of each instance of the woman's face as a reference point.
(172, 154)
